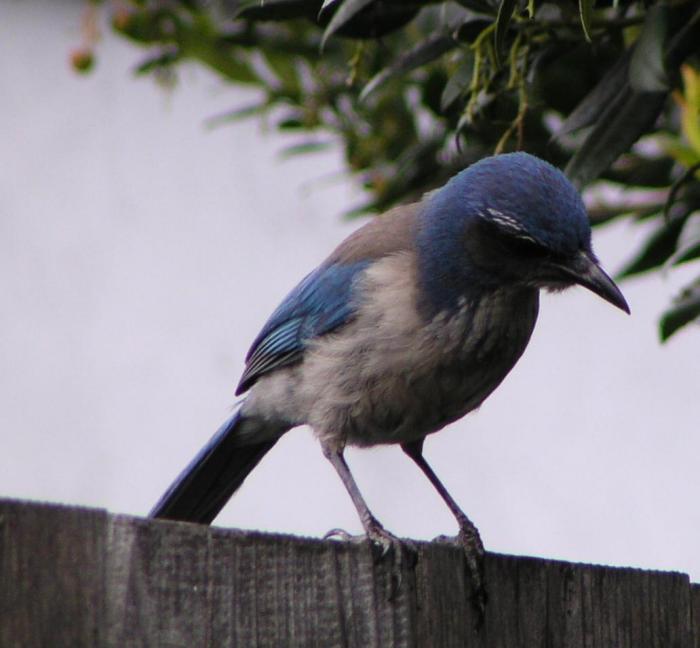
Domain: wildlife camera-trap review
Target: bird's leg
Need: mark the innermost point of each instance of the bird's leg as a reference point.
(467, 531)
(377, 534)
(375, 531)
(468, 536)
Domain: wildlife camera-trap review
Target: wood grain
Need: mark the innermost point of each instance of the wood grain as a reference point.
(76, 577)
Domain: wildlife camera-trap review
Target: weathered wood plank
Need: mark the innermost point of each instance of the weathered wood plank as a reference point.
(695, 613)
(156, 585)
(73, 577)
(51, 575)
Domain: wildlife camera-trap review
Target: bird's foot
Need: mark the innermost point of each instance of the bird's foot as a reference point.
(387, 542)
(472, 547)
(385, 546)
(383, 542)
(342, 534)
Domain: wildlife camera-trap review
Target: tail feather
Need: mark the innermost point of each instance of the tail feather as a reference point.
(214, 475)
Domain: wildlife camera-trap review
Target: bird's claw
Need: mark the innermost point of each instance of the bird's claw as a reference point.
(380, 544)
(383, 545)
(469, 540)
(402, 554)
(341, 534)
(387, 542)
(473, 548)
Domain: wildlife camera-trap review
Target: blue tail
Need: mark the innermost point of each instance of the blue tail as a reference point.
(214, 475)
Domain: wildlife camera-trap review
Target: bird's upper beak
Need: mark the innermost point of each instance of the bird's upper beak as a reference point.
(586, 271)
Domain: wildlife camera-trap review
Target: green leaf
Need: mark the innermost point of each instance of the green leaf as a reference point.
(647, 71)
(237, 114)
(161, 60)
(290, 123)
(284, 67)
(688, 247)
(312, 146)
(686, 309)
(641, 171)
(505, 13)
(199, 43)
(585, 10)
(680, 152)
(479, 6)
(599, 98)
(690, 107)
(148, 25)
(276, 9)
(228, 66)
(659, 247)
(620, 125)
(457, 84)
(684, 42)
(423, 53)
(678, 184)
(471, 29)
(432, 84)
(690, 252)
(347, 10)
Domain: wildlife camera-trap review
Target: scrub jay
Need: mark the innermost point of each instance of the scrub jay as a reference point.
(407, 326)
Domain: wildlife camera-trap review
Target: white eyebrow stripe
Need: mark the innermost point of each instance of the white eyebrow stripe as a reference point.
(503, 219)
(509, 223)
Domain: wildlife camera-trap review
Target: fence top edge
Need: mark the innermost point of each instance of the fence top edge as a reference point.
(286, 539)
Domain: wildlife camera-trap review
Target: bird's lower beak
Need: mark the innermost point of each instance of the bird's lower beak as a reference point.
(586, 272)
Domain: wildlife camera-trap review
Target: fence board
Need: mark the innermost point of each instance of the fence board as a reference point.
(51, 575)
(76, 577)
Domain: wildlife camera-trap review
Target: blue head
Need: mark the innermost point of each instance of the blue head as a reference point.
(509, 220)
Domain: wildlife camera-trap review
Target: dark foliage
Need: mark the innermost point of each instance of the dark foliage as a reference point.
(415, 90)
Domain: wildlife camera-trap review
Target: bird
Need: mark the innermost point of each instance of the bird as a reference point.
(409, 324)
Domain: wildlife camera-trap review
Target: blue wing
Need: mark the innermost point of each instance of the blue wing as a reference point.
(320, 303)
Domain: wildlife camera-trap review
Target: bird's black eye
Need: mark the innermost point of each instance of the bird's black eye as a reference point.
(526, 248)
(513, 240)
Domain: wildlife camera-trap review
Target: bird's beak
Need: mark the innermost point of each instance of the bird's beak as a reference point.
(586, 272)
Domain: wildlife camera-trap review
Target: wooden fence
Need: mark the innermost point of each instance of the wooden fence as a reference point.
(72, 577)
